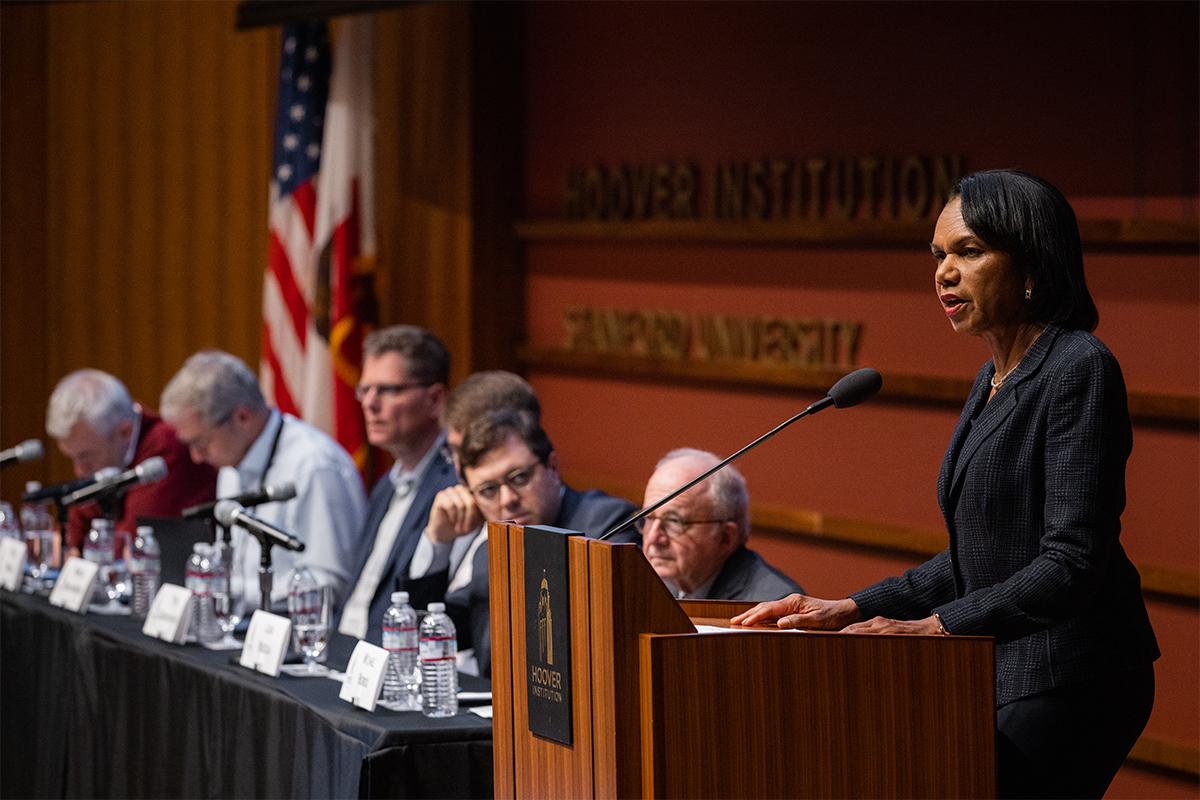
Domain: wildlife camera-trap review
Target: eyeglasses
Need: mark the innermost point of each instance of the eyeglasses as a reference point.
(517, 480)
(201, 442)
(672, 524)
(385, 389)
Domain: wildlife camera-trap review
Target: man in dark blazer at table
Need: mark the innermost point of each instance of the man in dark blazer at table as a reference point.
(402, 391)
(509, 471)
(697, 542)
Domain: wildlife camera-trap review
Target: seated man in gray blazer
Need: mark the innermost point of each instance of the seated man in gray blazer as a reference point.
(697, 542)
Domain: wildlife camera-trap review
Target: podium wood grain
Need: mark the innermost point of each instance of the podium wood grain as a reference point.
(662, 711)
(788, 714)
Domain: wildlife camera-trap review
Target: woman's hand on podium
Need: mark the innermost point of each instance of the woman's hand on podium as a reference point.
(802, 611)
(917, 627)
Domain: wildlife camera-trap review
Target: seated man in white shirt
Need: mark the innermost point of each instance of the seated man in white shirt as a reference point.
(402, 392)
(697, 542)
(218, 411)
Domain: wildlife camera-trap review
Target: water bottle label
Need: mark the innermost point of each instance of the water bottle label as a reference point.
(438, 649)
(399, 638)
(138, 564)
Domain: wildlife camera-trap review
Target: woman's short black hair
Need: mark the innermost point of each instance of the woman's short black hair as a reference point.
(1032, 221)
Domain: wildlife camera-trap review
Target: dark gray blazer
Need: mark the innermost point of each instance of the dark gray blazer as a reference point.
(1032, 489)
(745, 575)
(440, 475)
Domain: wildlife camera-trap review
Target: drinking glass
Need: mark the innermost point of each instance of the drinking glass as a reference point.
(230, 606)
(310, 625)
(39, 546)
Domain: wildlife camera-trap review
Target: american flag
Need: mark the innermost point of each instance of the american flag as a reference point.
(307, 301)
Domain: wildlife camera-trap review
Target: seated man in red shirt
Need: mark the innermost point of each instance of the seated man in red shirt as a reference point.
(97, 425)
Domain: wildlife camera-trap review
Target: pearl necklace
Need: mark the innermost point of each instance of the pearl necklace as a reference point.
(996, 384)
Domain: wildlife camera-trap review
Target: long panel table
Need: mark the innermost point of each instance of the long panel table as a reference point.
(91, 707)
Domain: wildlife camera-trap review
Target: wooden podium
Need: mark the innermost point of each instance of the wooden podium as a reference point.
(660, 710)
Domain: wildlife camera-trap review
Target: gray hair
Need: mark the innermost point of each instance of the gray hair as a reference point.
(90, 395)
(726, 489)
(212, 383)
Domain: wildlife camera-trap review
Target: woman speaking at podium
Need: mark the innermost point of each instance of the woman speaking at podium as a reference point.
(1032, 489)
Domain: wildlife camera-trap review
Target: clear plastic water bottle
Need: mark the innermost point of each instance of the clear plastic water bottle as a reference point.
(402, 679)
(208, 631)
(439, 674)
(192, 580)
(146, 565)
(98, 548)
(38, 524)
(204, 627)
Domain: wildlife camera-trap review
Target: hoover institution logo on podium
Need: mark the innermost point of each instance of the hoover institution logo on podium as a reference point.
(548, 633)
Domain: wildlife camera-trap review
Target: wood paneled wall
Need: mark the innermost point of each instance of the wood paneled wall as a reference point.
(148, 136)
(137, 152)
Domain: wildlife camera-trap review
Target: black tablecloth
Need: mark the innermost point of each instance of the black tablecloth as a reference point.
(91, 707)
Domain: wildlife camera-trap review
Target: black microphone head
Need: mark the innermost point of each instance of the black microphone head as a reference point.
(282, 491)
(860, 385)
(226, 512)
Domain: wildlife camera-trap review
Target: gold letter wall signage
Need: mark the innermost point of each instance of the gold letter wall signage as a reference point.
(851, 188)
(799, 343)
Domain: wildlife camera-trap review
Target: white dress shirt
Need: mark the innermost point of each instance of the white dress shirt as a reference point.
(327, 513)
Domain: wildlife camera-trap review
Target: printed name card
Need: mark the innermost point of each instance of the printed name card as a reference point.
(75, 585)
(170, 614)
(364, 675)
(12, 562)
(266, 642)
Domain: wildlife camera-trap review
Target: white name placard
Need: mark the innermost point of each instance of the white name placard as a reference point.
(170, 614)
(266, 642)
(12, 562)
(364, 675)
(76, 582)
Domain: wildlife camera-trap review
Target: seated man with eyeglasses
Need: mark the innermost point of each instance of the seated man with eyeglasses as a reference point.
(402, 391)
(697, 542)
(219, 412)
(509, 471)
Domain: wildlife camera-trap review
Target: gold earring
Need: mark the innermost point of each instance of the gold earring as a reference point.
(1028, 292)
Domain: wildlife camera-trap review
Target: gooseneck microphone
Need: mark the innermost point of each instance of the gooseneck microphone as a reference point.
(28, 450)
(229, 513)
(151, 470)
(56, 491)
(852, 389)
(272, 493)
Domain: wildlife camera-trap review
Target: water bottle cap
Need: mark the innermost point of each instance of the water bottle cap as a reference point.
(399, 597)
(201, 547)
(100, 522)
(435, 608)
(145, 530)
(32, 486)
